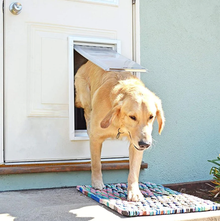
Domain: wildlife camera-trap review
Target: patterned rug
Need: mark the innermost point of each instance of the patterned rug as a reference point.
(159, 200)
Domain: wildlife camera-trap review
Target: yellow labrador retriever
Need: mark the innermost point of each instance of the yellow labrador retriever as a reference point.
(117, 103)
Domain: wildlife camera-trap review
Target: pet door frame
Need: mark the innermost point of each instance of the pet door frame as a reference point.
(99, 45)
(76, 40)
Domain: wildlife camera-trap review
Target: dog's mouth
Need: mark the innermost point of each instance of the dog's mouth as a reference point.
(139, 149)
(143, 146)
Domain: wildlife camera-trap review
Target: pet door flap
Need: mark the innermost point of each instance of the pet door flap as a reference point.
(108, 59)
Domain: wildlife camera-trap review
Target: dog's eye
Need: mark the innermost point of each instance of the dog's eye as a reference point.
(151, 117)
(133, 117)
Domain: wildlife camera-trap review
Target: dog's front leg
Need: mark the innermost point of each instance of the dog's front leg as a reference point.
(96, 167)
(135, 158)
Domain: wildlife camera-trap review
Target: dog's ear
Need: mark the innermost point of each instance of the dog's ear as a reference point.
(160, 115)
(110, 117)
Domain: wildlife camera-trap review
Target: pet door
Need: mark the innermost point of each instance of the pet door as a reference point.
(105, 53)
(108, 59)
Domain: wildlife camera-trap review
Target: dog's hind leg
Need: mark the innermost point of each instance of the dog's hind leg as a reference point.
(83, 98)
(96, 167)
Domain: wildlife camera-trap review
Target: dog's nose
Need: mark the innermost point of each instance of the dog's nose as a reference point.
(143, 144)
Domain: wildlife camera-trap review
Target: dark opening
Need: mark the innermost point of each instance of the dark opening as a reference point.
(80, 123)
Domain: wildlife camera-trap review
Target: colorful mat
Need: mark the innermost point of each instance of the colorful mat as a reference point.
(159, 200)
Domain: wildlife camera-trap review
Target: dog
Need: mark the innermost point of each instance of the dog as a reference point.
(117, 104)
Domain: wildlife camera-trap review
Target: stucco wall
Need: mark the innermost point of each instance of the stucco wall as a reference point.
(180, 46)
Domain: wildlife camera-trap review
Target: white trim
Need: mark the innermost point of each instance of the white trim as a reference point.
(136, 33)
(74, 40)
(1, 87)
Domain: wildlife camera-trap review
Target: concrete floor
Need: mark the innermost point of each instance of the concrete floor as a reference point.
(68, 204)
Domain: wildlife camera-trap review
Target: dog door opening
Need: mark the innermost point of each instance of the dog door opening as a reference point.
(80, 123)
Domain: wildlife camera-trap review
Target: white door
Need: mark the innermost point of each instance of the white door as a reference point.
(36, 126)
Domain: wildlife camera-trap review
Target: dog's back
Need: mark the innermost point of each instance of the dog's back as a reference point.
(90, 77)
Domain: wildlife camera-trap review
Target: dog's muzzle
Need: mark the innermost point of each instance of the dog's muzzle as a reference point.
(142, 145)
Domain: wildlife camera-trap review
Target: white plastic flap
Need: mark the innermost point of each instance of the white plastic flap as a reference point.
(108, 59)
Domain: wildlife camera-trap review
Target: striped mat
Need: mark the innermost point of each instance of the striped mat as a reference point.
(159, 200)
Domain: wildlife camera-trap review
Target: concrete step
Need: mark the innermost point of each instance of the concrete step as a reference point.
(68, 204)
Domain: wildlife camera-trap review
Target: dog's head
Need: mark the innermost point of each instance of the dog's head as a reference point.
(134, 113)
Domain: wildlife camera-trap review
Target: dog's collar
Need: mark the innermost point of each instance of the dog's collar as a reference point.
(119, 133)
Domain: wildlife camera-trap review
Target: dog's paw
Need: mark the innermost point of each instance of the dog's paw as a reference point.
(135, 195)
(98, 184)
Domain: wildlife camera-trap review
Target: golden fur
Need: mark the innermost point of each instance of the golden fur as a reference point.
(115, 101)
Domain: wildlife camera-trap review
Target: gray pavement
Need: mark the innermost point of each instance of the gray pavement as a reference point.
(68, 204)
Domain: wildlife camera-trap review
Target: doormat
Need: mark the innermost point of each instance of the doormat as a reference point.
(158, 200)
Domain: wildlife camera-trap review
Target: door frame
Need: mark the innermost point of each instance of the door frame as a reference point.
(1, 83)
(136, 57)
(136, 33)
